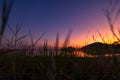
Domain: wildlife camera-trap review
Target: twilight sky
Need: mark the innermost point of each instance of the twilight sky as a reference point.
(84, 17)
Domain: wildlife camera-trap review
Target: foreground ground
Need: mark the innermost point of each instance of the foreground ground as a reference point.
(19, 67)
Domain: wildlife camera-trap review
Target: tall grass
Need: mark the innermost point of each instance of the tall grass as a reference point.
(112, 15)
(6, 9)
(33, 43)
(57, 44)
(66, 43)
(16, 32)
(102, 38)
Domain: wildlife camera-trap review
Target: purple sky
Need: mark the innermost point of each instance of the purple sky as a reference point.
(85, 17)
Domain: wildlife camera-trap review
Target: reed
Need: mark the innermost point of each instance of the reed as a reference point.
(102, 38)
(16, 32)
(33, 43)
(66, 43)
(111, 15)
(57, 44)
(6, 9)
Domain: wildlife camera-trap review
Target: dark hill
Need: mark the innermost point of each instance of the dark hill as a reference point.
(99, 48)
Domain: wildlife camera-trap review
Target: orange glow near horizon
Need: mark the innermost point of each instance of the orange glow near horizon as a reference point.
(82, 39)
(106, 34)
(86, 18)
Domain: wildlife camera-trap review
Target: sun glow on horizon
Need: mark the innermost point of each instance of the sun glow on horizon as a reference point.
(104, 36)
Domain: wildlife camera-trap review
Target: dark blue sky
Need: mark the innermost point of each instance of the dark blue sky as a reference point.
(52, 16)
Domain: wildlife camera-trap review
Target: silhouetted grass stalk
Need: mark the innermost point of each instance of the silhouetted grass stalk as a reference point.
(45, 48)
(6, 9)
(111, 18)
(57, 44)
(112, 14)
(16, 33)
(102, 38)
(66, 43)
(33, 43)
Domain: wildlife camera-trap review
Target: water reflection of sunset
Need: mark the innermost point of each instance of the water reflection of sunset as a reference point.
(82, 54)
